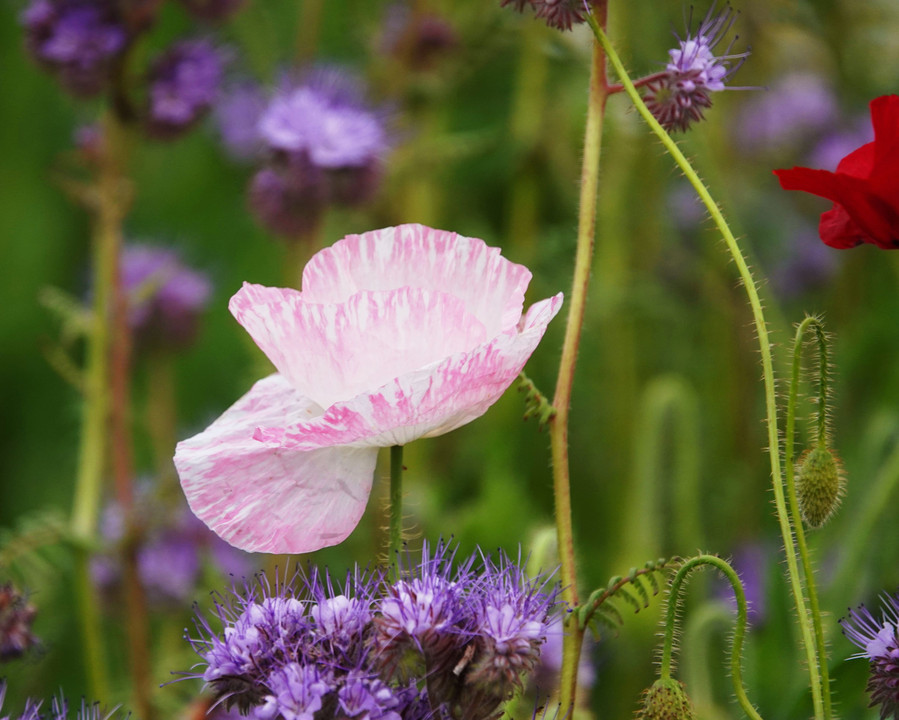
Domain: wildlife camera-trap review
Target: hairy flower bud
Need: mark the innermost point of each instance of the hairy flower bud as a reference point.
(666, 700)
(819, 485)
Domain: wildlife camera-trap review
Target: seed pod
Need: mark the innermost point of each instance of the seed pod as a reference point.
(819, 486)
(666, 700)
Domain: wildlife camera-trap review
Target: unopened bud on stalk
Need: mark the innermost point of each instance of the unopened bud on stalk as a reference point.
(819, 486)
(666, 700)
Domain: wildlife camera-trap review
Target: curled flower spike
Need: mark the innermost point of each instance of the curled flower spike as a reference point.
(879, 642)
(398, 334)
(864, 190)
(680, 94)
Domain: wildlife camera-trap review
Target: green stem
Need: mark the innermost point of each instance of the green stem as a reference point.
(789, 473)
(767, 363)
(736, 651)
(395, 537)
(161, 417)
(596, 102)
(309, 29)
(109, 202)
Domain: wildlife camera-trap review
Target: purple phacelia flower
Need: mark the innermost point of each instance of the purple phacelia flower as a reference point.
(182, 86)
(237, 114)
(78, 41)
(559, 14)
(416, 39)
(296, 693)
(59, 709)
(797, 104)
(511, 622)
(879, 642)
(213, 10)
(439, 641)
(165, 297)
(16, 618)
(680, 94)
(325, 119)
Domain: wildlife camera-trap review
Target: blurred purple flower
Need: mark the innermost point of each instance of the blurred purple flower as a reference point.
(798, 104)
(182, 87)
(549, 669)
(59, 709)
(323, 146)
(76, 40)
(237, 115)
(680, 95)
(810, 264)
(165, 297)
(750, 561)
(171, 557)
(414, 38)
(326, 119)
(879, 643)
(834, 146)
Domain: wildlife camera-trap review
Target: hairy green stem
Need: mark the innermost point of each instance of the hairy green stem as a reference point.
(596, 102)
(789, 474)
(761, 328)
(736, 651)
(395, 537)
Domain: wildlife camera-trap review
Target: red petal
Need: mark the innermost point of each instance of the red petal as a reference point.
(838, 231)
(859, 163)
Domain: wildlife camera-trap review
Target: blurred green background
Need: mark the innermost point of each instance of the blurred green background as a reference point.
(666, 323)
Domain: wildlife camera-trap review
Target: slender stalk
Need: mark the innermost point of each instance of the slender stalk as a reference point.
(767, 364)
(108, 208)
(123, 476)
(309, 29)
(395, 537)
(789, 473)
(736, 651)
(562, 399)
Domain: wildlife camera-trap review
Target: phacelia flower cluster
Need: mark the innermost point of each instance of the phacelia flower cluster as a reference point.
(59, 710)
(77, 41)
(320, 144)
(182, 86)
(559, 14)
(165, 298)
(879, 642)
(680, 94)
(442, 641)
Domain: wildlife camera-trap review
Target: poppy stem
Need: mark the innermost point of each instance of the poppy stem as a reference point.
(558, 424)
(761, 327)
(395, 537)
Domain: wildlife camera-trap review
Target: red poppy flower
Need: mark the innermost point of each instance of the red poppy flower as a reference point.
(864, 189)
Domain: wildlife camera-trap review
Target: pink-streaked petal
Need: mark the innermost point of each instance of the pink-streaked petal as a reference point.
(491, 287)
(264, 498)
(333, 352)
(427, 402)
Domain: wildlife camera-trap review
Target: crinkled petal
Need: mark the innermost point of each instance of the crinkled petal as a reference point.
(333, 352)
(491, 287)
(838, 230)
(873, 215)
(262, 497)
(425, 403)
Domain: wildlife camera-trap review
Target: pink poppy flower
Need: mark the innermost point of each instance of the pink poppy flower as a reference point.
(398, 334)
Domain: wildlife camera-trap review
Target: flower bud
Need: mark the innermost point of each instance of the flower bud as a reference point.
(666, 700)
(819, 485)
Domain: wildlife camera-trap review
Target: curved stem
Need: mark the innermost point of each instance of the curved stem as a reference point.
(562, 400)
(767, 363)
(789, 474)
(736, 651)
